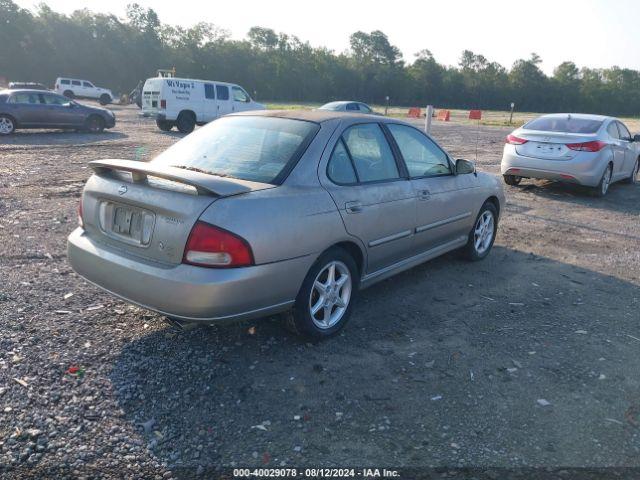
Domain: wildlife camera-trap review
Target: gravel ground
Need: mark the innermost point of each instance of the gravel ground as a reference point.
(527, 359)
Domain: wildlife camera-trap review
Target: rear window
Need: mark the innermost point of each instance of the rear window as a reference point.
(65, 82)
(248, 148)
(564, 124)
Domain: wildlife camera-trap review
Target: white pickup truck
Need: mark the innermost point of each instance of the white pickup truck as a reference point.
(185, 102)
(76, 88)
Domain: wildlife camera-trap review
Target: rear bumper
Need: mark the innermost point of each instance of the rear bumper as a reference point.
(582, 169)
(188, 292)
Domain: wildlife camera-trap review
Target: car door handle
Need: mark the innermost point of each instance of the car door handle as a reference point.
(353, 207)
(424, 194)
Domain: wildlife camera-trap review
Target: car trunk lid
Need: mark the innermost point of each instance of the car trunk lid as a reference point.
(148, 210)
(550, 145)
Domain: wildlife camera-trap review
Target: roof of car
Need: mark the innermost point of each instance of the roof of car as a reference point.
(317, 116)
(581, 116)
(7, 91)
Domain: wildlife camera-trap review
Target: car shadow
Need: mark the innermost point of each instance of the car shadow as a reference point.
(58, 137)
(499, 362)
(621, 197)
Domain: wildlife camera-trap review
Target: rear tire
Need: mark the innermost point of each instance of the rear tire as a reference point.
(69, 94)
(164, 125)
(104, 99)
(482, 234)
(94, 124)
(634, 178)
(603, 186)
(186, 122)
(512, 180)
(330, 295)
(7, 125)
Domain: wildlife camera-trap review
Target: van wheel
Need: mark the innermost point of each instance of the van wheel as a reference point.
(104, 99)
(186, 122)
(325, 301)
(68, 94)
(94, 124)
(7, 125)
(483, 233)
(512, 180)
(164, 125)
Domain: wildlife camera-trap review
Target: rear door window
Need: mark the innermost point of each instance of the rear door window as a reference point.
(25, 98)
(222, 92)
(76, 82)
(624, 132)
(566, 124)
(612, 130)
(370, 153)
(209, 91)
(340, 169)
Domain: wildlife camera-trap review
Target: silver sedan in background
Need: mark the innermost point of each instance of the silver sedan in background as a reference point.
(590, 150)
(271, 212)
(348, 106)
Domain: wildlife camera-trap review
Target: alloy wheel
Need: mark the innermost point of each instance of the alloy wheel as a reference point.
(6, 126)
(330, 295)
(483, 232)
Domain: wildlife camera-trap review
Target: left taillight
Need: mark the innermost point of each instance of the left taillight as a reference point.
(513, 140)
(214, 247)
(80, 221)
(594, 146)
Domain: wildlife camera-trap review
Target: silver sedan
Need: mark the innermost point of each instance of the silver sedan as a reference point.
(348, 106)
(589, 150)
(279, 212)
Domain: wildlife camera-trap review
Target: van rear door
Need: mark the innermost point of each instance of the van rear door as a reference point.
(151, 96)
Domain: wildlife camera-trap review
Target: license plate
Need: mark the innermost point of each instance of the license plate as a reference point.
(550, 149)
(123, 218)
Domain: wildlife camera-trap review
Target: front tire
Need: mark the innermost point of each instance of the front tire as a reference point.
(94, 124)
(512, 180)
(186, 122)
(104, 99)
(164, 125)
(325, 301)
(483, 233)
(7, 125)
(603, 187)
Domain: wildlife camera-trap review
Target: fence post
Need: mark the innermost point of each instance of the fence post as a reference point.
(427, 119)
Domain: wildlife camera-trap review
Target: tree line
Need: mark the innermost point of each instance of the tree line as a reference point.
(117, 53)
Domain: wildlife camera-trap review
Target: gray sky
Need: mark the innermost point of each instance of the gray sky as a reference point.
(593, 33)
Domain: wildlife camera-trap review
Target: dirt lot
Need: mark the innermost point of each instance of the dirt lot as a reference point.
(529, 358)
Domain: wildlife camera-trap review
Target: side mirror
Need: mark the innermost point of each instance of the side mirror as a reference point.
(636, 138)
(465, 166)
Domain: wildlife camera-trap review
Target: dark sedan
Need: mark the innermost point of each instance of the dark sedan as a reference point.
(39, 109)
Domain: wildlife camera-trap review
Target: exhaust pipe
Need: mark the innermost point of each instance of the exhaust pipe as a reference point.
(181, 325)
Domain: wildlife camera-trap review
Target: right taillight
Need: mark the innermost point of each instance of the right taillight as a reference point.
(513, 140)
(594, 146)
(163, 103)
(211, 246)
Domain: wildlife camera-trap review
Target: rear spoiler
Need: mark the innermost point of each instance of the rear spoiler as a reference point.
(204, 183)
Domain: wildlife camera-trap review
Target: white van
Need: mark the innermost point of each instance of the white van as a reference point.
(185, 102)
